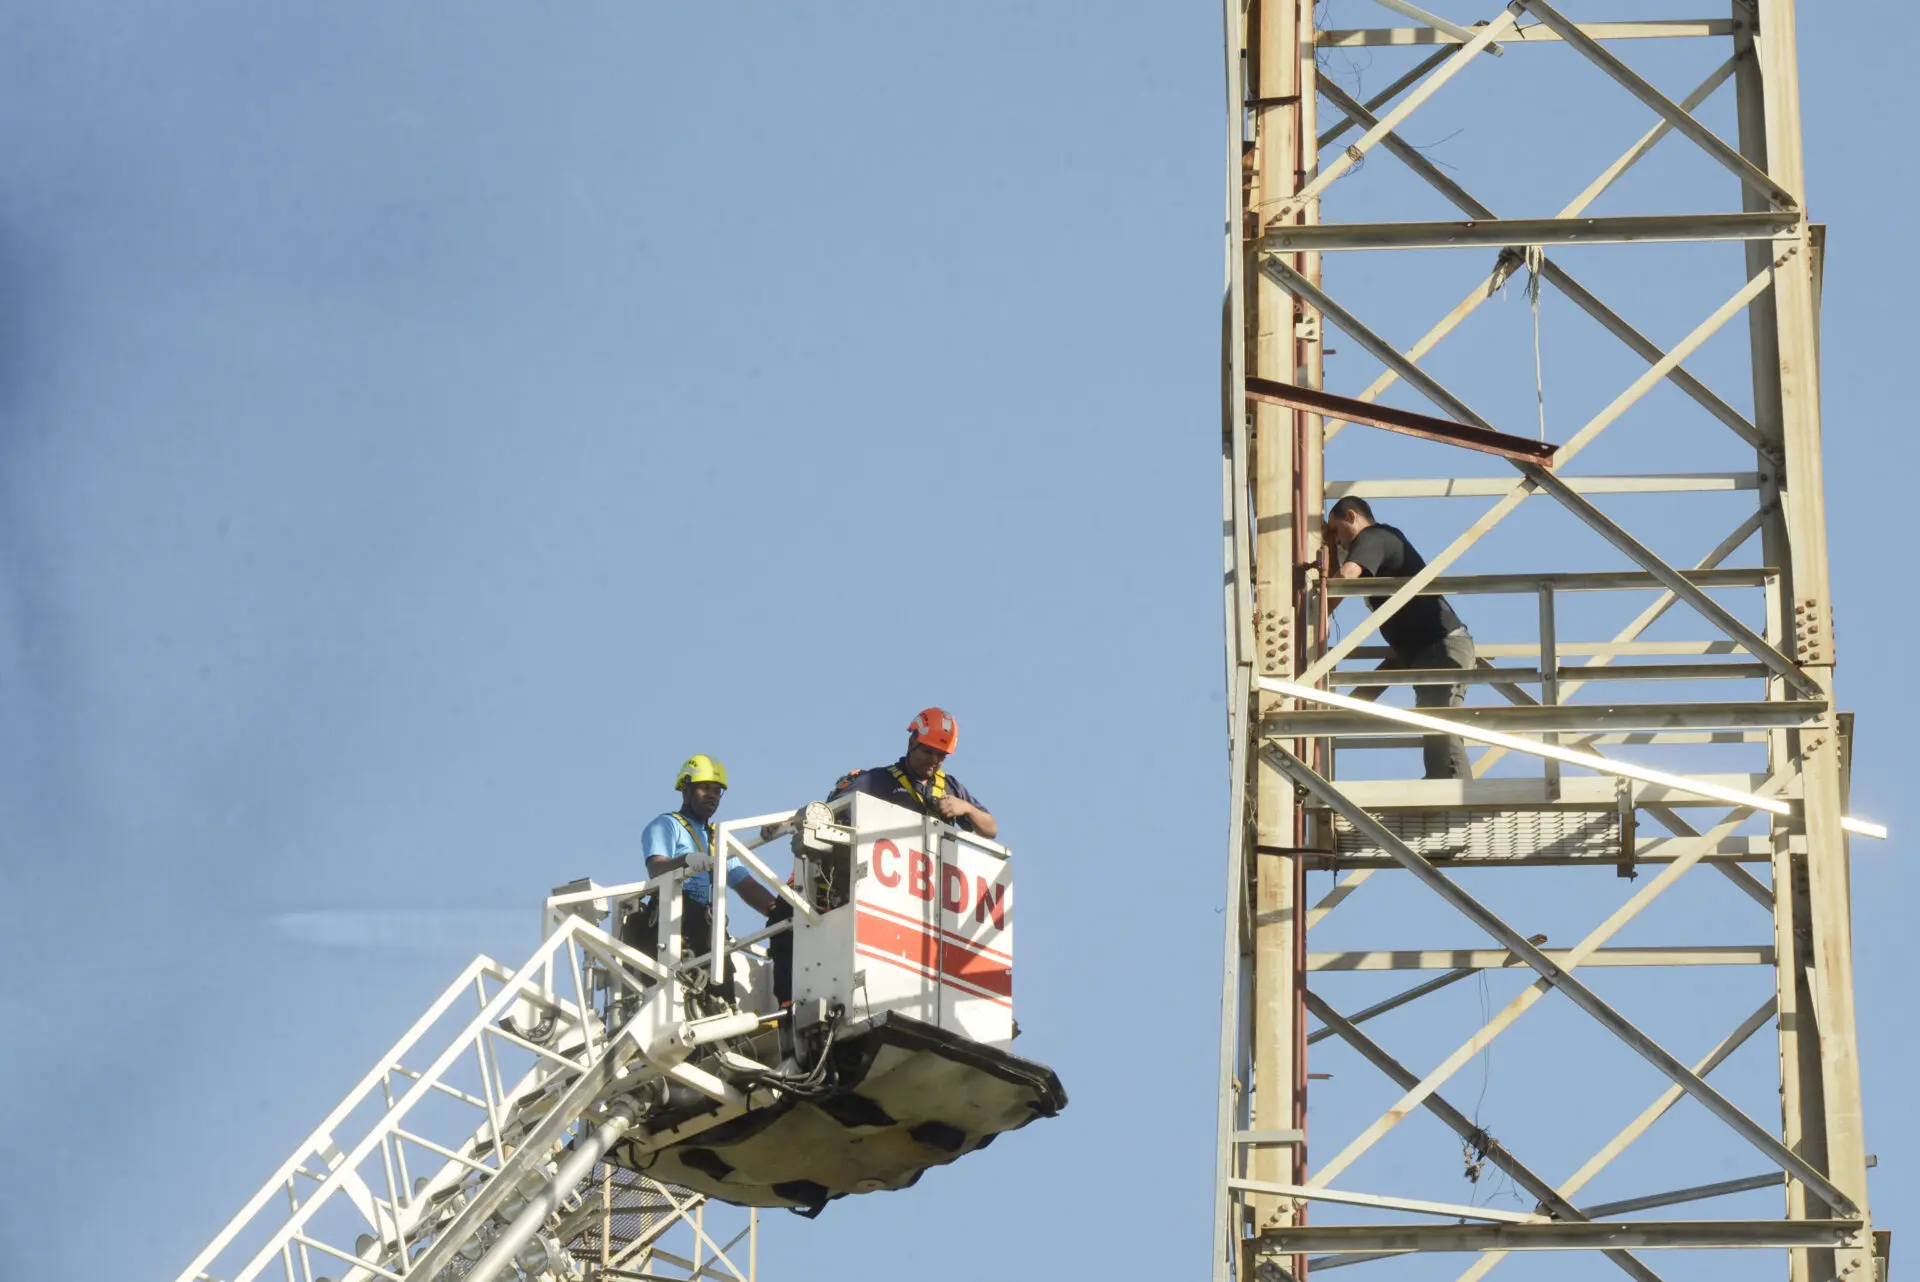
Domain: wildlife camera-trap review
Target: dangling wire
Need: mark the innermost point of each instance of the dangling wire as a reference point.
(1474, 1150)
(1536, 259)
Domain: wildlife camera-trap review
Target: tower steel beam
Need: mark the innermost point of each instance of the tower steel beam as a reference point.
(1337, 788)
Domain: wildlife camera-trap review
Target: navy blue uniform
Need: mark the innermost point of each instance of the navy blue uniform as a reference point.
(892, 783)
(889, 783)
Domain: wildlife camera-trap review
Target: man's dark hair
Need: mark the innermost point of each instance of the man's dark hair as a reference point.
(1351, 503)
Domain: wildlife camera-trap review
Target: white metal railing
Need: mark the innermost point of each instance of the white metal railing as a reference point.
(347, 1191)
(729, 845)
(482, 1105)
(1697, 785)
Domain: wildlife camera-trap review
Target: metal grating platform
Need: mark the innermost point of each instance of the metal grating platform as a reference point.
(620, 1223)
(1493, 836)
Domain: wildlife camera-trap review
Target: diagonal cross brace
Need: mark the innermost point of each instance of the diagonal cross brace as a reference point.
(1555, 275)
(1462, 1126)
(1354, 154)
(1690, 853)
(1647, 350)
(1671, 579)
(1632, 1131)
(1434, 20)
(1630, 80)
(1394, 90)
(1377, 347)
(1582, 996)
(1467, 727)
(1746, 881)
(1539, 477)
(1570, 685)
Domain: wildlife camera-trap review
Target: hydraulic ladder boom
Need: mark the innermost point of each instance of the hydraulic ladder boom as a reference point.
(463, 1152)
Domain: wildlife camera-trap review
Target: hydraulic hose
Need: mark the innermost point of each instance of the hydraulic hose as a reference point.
(579, 1165)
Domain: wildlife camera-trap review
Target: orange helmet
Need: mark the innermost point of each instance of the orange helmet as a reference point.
(936, 729)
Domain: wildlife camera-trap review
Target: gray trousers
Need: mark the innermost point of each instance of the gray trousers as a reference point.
(1446, 755)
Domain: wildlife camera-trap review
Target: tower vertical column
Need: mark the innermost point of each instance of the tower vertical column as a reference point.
(1273, 48)
(1819, 1058)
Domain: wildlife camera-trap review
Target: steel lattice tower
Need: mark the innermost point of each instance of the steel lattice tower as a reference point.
(1707, 733)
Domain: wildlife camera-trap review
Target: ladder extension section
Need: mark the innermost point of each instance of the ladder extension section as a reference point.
(455, 1131)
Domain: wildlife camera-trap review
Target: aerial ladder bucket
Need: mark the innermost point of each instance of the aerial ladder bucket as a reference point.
(881, 1050)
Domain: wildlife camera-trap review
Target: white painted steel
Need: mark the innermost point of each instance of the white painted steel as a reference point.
(1560, 978)
(548, 982)
(1346, 1198)
(1513, 743)
(1501, 233)
(1508, 263)
(1356, 152)
(557, 1047)
(926, 932)
(1466, 487)
(1643, 1122)
(1454, 29)
(1590, 1235)
(1667, 29)
(1484, 958)
(1521, 489)
(586, 1153)
(1727, 156)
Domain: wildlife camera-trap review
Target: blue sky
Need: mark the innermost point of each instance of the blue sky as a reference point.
(422, 426)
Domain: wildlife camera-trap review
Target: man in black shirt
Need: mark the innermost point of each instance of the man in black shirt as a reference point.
(1423, 633)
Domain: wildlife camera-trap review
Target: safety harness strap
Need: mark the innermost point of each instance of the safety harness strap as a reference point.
(934, 793)
(704, 847)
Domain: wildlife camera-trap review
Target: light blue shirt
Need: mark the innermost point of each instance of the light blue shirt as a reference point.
(672, 835)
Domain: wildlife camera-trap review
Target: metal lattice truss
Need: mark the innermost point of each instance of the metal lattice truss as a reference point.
(624, 1225)
(1750, 749)
(469, 1123)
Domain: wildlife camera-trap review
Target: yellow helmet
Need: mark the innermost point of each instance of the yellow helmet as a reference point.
(700, 768)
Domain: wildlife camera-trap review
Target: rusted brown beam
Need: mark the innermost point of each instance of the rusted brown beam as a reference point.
(1405, 422)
